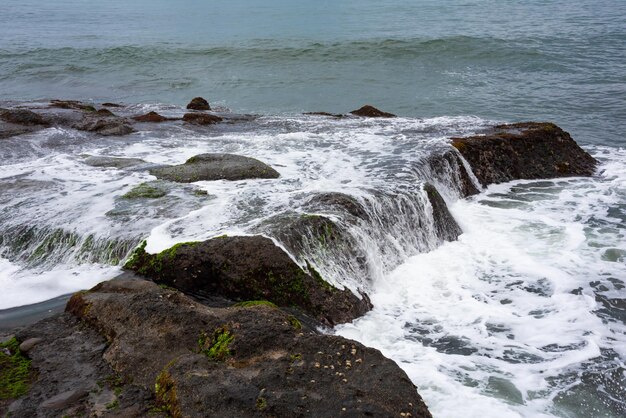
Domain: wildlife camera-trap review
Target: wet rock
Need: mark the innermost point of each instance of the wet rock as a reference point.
(145, 191)
(201, 118)
(105, 124)
(447, 228)
(114, 162)
(72, 104)
(27, 345)
(248, 268)
(216, 167)
(198, 103)
(338, 202)
(104, 112)
(151, 117)
(238, 361)
(108, 104)
(22, 117)
(332, 115)
(63, 400)
(368, 111)
(528, 150)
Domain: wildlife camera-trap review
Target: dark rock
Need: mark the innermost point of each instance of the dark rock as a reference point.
(104, 112)
(198, 103)
(151, 117)
(72, 104)
(368, 111)
(338, 202)
(446, 226)
(65, 399)
(448, 168)
(332, 115)
(216, 167)
(115, 162)
(528, 150)
(107, 104)
(248, 268)
(239, 361)
(22, 117)
(27, 345)
(201, 118)
(105, 124)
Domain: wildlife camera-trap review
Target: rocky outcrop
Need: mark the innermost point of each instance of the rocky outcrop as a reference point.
(113, 162)
(368, 111)
(340, 203)
(527, 150)
(15, 122)
(129, 348)
(198, 103)
(72, 104)
(445, 225)
(201, 118)
(216, 167)
(153, 117)
(105, 123)
(248, 268)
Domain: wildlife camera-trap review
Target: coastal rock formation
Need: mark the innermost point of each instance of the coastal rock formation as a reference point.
(113, 162)
(198, 103)
(151, 117)
(368, 111)
(20, 121)
(105, 123)
(201, 118)
(216, 167)
(129, 348)
(72, 104)
(528, 150)
(248, 268)
(446, 226)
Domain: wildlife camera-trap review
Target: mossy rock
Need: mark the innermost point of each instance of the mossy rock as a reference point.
(15, 371)
(144, 191)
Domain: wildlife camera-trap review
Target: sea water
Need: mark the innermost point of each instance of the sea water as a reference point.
(524, 315)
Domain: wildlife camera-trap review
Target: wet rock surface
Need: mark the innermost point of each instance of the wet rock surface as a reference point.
(105, 123)
(201, 118)
(216, 167)
(528, 150)
(198, 103)
(248, 268)
(153, 117)
(445, 224)
(15, 122)
(368, 111)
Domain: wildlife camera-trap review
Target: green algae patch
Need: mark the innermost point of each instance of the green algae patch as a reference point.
(249, 303)
(216, 347)
(165, 394)
(152, 264)
(294, 322)
(15, 371)
(144, 191)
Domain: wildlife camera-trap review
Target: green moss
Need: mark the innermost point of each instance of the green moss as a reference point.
(152, 264)
(295, 357)
(294, 322)
(15, 371)
(217, 346)
(144, 191)
(113, 405)
(318, 277)
(261, 403)
(165, 394)
(249, 303)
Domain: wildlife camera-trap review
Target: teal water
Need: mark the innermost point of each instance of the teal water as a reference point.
(506, 60)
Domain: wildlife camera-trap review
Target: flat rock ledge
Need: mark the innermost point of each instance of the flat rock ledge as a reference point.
(130, 348)
(216, 167)
(248, 268)
(528, 150)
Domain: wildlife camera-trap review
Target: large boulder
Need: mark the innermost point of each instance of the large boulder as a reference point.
(528, 150)
(216, 167)
(248, 268)
(368, 111)
(201, 118)
(198, 103)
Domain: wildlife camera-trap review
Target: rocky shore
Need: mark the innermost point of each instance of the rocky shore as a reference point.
(236, 325)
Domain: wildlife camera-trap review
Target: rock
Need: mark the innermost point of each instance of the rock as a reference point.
(198, 103)
(447, 228)
(27, 345)
(64, 399)
(151, 117)
(145, 191)
(104, 124)
(201, 118)
(22, 117)
(238, 361)
(115, 162)
(216, 167)
(338, 202)
(72, 104)
(368, 111)
(447, 168)
(248, 268)
(332, 115)
(108, 104)
(528, 150)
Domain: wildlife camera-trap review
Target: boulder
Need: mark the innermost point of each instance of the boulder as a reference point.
(108, 104)
(201, 118)
(340, 203)
(72, 104)
(331, 115)
(237, 361)
(447, 168)
(368, 111)
(103, 122)
(528, 150)
(151, 117)
(198, 103)
(113, 162)
(248, 268)
(216, 167)
(22, 117)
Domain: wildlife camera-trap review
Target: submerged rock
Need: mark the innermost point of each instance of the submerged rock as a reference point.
(145, 191)
(22, 117)
(198, 103)
(248, 268)
(216, 167)
(332, 115)
(201, 118)
(528, 150)
(108, 104)
(104, 123)
(72, 104)
(368, 111)
(114, 162)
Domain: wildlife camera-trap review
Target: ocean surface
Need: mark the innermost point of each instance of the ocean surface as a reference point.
(523, 316)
